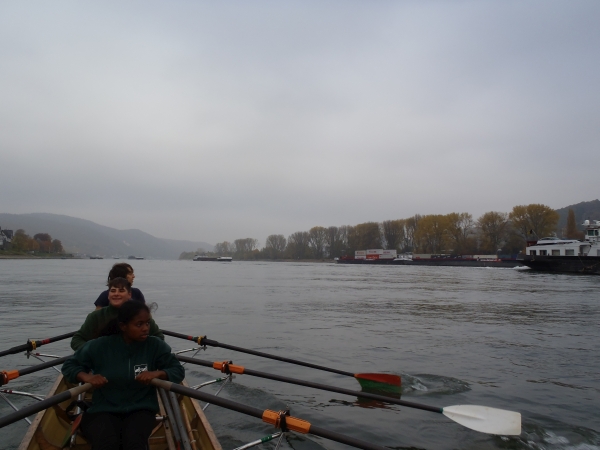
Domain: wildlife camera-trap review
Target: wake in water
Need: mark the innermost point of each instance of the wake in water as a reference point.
(426, 384)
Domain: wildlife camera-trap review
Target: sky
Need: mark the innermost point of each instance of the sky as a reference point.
(215, 121)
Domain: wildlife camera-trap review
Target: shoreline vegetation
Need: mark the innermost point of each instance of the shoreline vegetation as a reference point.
(23, 246)
(500, 233)
(455, 234)
(4, 254)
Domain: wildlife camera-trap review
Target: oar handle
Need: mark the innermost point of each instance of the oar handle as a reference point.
(320, 386)
(205, 341)
(37, 407)
(32, 345)
(6, 376)
(255, 412)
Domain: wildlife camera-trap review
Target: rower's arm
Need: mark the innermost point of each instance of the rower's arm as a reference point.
(85, 333)
(155, 330)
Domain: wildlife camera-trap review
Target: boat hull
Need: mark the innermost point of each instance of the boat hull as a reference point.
(442, 262)
(210, 258)
(50, 427)
(589, 265)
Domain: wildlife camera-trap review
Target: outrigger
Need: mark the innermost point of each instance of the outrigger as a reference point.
(182, 424)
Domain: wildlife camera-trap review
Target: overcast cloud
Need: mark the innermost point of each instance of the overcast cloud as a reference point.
(221, 120)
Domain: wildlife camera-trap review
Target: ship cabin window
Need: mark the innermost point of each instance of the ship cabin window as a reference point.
(569, 252)
(555, 252)
(532, 252)
(543, 252)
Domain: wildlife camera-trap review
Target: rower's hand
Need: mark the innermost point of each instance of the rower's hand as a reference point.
(147, 377)
(96, 380)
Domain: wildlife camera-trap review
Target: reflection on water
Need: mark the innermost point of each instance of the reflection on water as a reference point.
(504, 338)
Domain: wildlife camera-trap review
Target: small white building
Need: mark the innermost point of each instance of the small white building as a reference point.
(5, 238)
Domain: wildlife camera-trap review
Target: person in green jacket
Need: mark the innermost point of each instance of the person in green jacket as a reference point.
(120, 368)
(103, 322)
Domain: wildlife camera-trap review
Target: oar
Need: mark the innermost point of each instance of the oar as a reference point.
(47, 403)
(478, 418)
(379, 381)
(268, 416)
(7, 375)
(32, 345)
(72, 430)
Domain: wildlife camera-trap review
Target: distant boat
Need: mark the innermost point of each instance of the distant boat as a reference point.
(390, 257)
(551, 254)
(135, 257)
(96, 257)
(213, 258)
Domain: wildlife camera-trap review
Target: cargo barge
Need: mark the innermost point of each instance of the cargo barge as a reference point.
(552, 254)
(213, 258)
(390, 257)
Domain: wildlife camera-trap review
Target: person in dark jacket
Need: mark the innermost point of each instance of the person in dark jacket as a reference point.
(120, 270)
(120, 368)
(103, 321)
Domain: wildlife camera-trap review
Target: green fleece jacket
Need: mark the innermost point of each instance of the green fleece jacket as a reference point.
(96, 322)
(119, 363)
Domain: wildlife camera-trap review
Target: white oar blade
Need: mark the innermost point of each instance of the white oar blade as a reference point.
(485, 419)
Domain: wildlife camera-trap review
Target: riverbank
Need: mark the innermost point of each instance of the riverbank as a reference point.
(7, 254)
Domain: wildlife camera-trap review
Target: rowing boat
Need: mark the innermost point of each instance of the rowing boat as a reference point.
(50, 427)
(181, 424)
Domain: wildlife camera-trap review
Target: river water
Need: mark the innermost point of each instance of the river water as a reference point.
(504, 338)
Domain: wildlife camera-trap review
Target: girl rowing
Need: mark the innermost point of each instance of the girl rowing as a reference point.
(120, 368)
(103, 322)
(120, 270)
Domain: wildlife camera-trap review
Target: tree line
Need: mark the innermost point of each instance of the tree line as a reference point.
(40, 243)
(455, 234)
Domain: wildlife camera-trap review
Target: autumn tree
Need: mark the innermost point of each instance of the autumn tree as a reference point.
(19, 240)
(224, 248)
(317, 239)
(57, 246)
(297, 245)
(275, 246)
(393, 233)
(460, 229)
(539, 220)
(364, 236)
(493, 226)
(430, 236)
(410, 227)
(344, 233)
(571, 231)
(244, 247)
(33, 245)
(44, 241)
(513, 244)
(335, 241)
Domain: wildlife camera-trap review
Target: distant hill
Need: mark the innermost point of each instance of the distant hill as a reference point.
(583, 211)
(87, 237)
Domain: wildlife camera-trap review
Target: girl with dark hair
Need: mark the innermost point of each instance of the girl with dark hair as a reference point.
(120, 270)
(120, 367)
(103, 321)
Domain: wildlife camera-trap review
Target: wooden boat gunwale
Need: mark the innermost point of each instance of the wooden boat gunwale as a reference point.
(204, 434)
